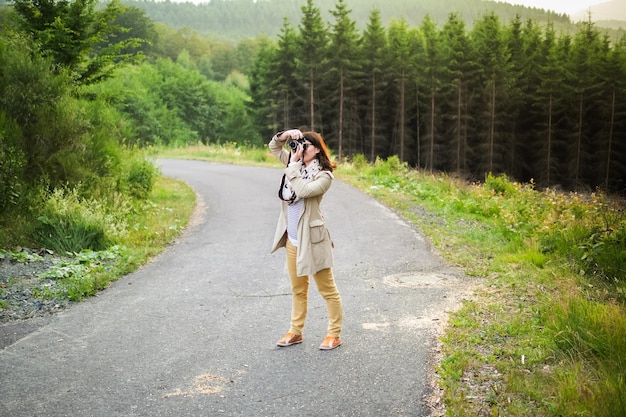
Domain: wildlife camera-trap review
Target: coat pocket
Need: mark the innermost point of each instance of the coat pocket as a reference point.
(317, 231)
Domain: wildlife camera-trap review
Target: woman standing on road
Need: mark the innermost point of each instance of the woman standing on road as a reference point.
(302, 231)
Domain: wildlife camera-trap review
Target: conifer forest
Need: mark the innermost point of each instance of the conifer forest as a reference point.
(466, 88)
(504, 97)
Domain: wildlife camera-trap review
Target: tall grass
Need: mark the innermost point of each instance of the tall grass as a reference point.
(70, 223)
(593, 333)
(231, 152)
(546, 332)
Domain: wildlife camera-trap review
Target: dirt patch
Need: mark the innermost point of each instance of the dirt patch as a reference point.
(205, 384)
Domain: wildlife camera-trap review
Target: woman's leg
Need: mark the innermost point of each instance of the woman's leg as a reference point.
(300, 291)
(325, 281)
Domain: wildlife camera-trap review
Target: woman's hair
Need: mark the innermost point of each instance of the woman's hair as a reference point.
(323, 156)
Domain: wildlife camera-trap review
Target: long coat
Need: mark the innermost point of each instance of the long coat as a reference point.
(315, 247)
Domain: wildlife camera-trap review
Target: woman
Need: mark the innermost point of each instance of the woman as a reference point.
(302, 231)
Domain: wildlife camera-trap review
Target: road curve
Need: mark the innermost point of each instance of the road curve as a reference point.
(193, 333)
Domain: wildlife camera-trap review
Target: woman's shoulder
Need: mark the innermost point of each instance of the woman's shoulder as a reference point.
(325, 172)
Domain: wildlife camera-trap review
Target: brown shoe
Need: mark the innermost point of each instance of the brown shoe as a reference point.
(290, 339)
(330, 342)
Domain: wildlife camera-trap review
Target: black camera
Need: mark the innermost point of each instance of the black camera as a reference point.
(293, 144)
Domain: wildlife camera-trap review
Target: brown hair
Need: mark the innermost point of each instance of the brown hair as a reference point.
(323, 156)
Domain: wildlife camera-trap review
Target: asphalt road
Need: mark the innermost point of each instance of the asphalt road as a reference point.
(193, 333)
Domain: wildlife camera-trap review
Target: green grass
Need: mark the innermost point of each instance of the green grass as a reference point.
(230, 152)
(161, 219)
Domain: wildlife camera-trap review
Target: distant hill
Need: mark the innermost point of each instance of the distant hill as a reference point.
(613, 11)
(236, 19)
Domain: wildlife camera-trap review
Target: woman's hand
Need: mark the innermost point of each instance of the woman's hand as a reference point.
(296, 154)
(290, 134)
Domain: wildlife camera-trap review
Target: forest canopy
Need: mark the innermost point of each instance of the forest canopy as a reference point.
(508, 97)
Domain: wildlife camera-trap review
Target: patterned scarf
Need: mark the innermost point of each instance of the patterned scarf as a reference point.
(307, 173)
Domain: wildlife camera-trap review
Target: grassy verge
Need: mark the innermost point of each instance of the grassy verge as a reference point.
(545, 332)
(143, 231)
(161, 219)
(231, 152)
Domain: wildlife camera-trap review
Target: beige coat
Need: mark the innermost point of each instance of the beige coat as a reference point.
(315, 250)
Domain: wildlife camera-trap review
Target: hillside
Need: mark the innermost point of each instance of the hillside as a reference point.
(610, 14)
(613, 10)
(236, 19)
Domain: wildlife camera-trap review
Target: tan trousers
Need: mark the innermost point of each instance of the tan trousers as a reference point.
(325, 281)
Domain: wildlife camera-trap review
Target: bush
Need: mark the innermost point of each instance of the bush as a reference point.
(360, 161)
(140, 178)
(499, 184)
(69, 223)
(389, 167)
(604, 254)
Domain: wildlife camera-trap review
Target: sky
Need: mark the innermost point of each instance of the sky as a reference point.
(560, 6)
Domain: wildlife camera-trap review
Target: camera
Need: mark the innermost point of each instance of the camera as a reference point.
(293, 144)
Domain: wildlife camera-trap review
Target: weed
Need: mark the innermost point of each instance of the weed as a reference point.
(84, 273)
(21, 256)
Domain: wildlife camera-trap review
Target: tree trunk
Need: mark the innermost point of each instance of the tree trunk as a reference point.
(341, 117)
(402, 118)
(432, 131)
(373, 143)
(579, 140)
(608, 152)
(286, 121)
(492, 129)
(458, 128)
(312, 100)
(417, 127)
(549, 162)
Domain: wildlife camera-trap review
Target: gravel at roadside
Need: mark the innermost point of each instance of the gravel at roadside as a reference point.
(22, 290)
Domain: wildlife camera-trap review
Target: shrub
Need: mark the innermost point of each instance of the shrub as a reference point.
(389, 167)
(69, 223)
(360, 161)
(604, 254)
(140, 178)
(499, 184)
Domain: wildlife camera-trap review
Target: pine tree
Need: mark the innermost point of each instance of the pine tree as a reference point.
(547, 109)
(344, 66)
(374, 46)
(286, 93)
(312, 53)
(455, 52)
(76, 36)
(400, 65)
(519, 74)
(615, 75)
(588, 53)
(492, 116)
(431, 70)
